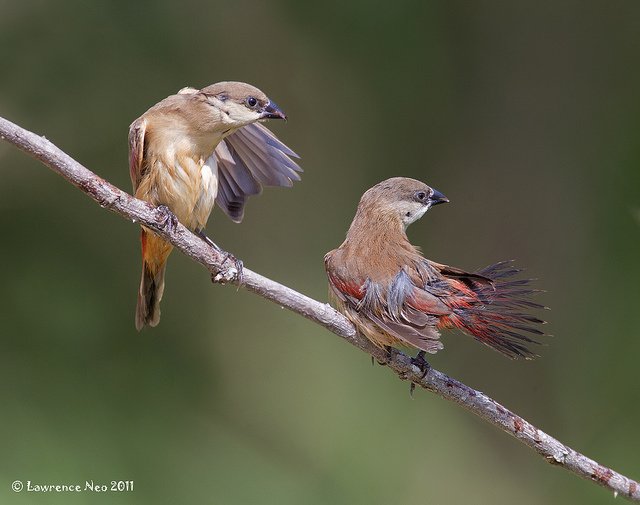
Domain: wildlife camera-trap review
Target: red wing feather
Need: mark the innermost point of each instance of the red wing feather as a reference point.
(427, 303)
(351, 290)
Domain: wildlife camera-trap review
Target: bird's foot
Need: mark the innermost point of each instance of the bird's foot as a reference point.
(225, 274)
(388, 355)
(231, 273)
(168, 219)
(423, 365)
(210, 242)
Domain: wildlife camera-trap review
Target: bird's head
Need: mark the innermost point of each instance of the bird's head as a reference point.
(240, 104)
(194, 121)
(401, 198)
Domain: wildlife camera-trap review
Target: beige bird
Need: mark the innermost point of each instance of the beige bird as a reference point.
(195, 149)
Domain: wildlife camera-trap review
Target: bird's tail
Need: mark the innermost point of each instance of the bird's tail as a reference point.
(155, 252)
(499, 318)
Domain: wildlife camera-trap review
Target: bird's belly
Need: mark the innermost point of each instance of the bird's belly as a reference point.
(189, 189)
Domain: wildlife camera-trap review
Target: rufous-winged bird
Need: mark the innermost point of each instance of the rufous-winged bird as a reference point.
(395, 296)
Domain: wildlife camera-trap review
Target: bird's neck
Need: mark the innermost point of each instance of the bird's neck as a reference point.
(176, 138)
(379, 240)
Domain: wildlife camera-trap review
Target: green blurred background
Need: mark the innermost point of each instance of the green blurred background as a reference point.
(525, 114)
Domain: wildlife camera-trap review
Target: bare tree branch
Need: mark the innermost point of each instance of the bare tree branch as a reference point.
(116, 200)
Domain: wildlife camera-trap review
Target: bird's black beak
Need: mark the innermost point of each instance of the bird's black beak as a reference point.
(272, 111)
(437, 198)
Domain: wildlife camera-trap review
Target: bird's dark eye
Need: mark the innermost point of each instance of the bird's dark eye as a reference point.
(251, 101)
(421, 196)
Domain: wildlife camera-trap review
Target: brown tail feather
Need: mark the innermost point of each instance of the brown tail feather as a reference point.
(149, 296)
(154, 260)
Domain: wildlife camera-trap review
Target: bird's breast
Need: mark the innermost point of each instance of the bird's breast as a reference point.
(187, 185)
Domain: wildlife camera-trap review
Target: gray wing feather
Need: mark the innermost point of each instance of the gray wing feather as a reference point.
(248, 159)
(425, 338)
(237, 171)
(260, 135)
(261, 131)
(230, 198)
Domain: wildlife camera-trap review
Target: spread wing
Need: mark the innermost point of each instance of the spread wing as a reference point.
(136, 151)
(401, 309)
(248, 159)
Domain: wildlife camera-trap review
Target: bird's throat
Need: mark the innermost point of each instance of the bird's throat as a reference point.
(379, 248)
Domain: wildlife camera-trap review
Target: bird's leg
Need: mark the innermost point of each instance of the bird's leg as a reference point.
(388, 351)
(224, 275)
(167, 218)
(423, 365)
(210, 242)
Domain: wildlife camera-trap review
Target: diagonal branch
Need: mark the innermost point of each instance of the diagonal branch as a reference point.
(116, 200)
